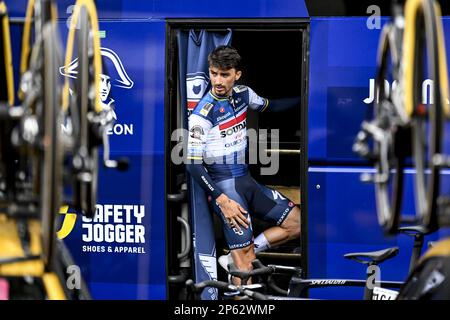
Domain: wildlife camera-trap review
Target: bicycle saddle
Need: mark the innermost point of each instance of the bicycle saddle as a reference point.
(413, 230)
(373, 257)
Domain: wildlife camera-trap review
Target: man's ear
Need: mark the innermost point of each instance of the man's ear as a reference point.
(238, 75)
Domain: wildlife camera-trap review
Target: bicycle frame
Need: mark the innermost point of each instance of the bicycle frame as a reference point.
(299, 287)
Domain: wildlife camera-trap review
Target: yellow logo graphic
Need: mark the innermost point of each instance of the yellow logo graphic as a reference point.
(68, 222)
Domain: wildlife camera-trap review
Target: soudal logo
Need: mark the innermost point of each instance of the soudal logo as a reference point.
(228, 127)
(327, 282)
(234, 129)
(117, 77)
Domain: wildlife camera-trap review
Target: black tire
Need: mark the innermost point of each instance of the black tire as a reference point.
(51, 149)
(85, 191)
(390, 159)
(63, 262)
(427, 144)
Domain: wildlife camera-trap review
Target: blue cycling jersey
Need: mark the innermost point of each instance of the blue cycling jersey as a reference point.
(218, 131)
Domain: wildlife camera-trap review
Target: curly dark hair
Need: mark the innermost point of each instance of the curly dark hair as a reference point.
(224, 57)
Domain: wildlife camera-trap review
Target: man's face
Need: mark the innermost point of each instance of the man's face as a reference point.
(222, 81)
(105, 87)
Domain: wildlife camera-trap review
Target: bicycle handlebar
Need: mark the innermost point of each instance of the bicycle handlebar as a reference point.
(198, 287)
(260, 269)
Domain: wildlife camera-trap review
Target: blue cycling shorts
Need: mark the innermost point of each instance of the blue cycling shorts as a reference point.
(258, 200)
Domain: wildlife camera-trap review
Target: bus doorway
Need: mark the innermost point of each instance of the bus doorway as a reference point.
(275, 65)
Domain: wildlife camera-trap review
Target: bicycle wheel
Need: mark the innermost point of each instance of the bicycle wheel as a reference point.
(86, 103)
(388, 146)
(63, 261)
(427, 118)
(7, 97)
(50, 151)
(6, 69)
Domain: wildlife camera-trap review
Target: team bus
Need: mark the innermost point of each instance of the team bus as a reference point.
(152, 230)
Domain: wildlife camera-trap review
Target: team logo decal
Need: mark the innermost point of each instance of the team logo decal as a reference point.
(196, 84)
(114, 75)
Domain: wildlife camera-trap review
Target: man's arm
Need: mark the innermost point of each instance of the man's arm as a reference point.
(199, 173)
(198, 130)
(277, 105)
(260, 104)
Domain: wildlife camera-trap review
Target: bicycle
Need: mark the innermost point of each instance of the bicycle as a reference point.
(423, 126)
(400, 118)
(48, 157)
(247, 291)
(6, 69)
(298, 285)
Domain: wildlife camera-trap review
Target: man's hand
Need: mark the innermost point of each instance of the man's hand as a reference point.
(233, 212)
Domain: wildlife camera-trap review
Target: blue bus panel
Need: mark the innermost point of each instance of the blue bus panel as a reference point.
(161, 9)
(122, 252)
(342, 219)
(341, 84)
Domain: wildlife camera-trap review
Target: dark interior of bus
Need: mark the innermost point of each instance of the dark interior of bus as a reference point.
(273, 66)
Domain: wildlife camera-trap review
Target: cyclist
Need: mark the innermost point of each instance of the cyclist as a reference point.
(216, 160)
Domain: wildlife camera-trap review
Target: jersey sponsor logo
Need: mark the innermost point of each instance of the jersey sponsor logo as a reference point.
(241, 106)
(233, 121)
(197, 132)
(276, 195)
(224, 116)
(236, 231)
(222, 109)
(233, 130)
(235, 142)
(240, 245)
(210, 187)
(282, 216)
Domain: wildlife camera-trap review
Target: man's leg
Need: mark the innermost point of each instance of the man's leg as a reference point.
(242, 259)
(274, 236)
(277, 235)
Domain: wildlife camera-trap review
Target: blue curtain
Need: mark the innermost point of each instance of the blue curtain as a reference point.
(193, 50)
